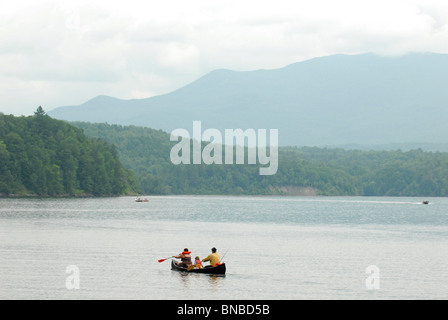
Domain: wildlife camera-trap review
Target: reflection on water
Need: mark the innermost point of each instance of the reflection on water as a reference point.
(303, 248)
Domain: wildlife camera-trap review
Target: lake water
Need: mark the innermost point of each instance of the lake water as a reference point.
(275, 248)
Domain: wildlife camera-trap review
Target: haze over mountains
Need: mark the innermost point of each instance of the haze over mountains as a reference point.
(335, 100)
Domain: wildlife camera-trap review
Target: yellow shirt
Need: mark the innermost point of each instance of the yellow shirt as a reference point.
(214, 259)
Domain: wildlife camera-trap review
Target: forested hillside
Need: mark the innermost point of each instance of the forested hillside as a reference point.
(47, 157)
(301, 171)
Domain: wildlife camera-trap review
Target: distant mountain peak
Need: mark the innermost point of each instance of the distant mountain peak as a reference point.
(102, 99)
(332, 100)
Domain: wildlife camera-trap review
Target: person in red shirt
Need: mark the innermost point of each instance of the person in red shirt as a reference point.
(198, 263)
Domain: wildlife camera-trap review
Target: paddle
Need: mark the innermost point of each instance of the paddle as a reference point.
(191, 267)
(161, 260)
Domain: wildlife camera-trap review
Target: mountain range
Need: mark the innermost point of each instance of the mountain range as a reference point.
(361, 99)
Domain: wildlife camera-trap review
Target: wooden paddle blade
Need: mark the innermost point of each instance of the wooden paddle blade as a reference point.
(191, 267)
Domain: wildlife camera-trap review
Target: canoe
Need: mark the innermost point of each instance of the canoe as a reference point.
(221, 269)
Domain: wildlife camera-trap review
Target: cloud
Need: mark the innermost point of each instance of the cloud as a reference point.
(63, 52)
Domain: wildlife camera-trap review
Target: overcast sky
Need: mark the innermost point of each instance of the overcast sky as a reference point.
(56, 53)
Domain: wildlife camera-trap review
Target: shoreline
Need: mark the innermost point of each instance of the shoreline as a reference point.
(90, 196)
(65, 196)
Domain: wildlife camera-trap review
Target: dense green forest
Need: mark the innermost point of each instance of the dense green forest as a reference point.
(46, 157)
(301, 171)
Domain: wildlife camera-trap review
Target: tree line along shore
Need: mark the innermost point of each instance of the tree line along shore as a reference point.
(41, 156)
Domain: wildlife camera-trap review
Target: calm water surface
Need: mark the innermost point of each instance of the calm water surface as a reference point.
(275, 247)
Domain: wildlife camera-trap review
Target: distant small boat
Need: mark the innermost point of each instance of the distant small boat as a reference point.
(425, 202)
(141, 200)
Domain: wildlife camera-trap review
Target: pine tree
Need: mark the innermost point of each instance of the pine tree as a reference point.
(40, 112)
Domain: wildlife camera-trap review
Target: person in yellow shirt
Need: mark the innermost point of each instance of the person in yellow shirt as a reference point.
(214, 258)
